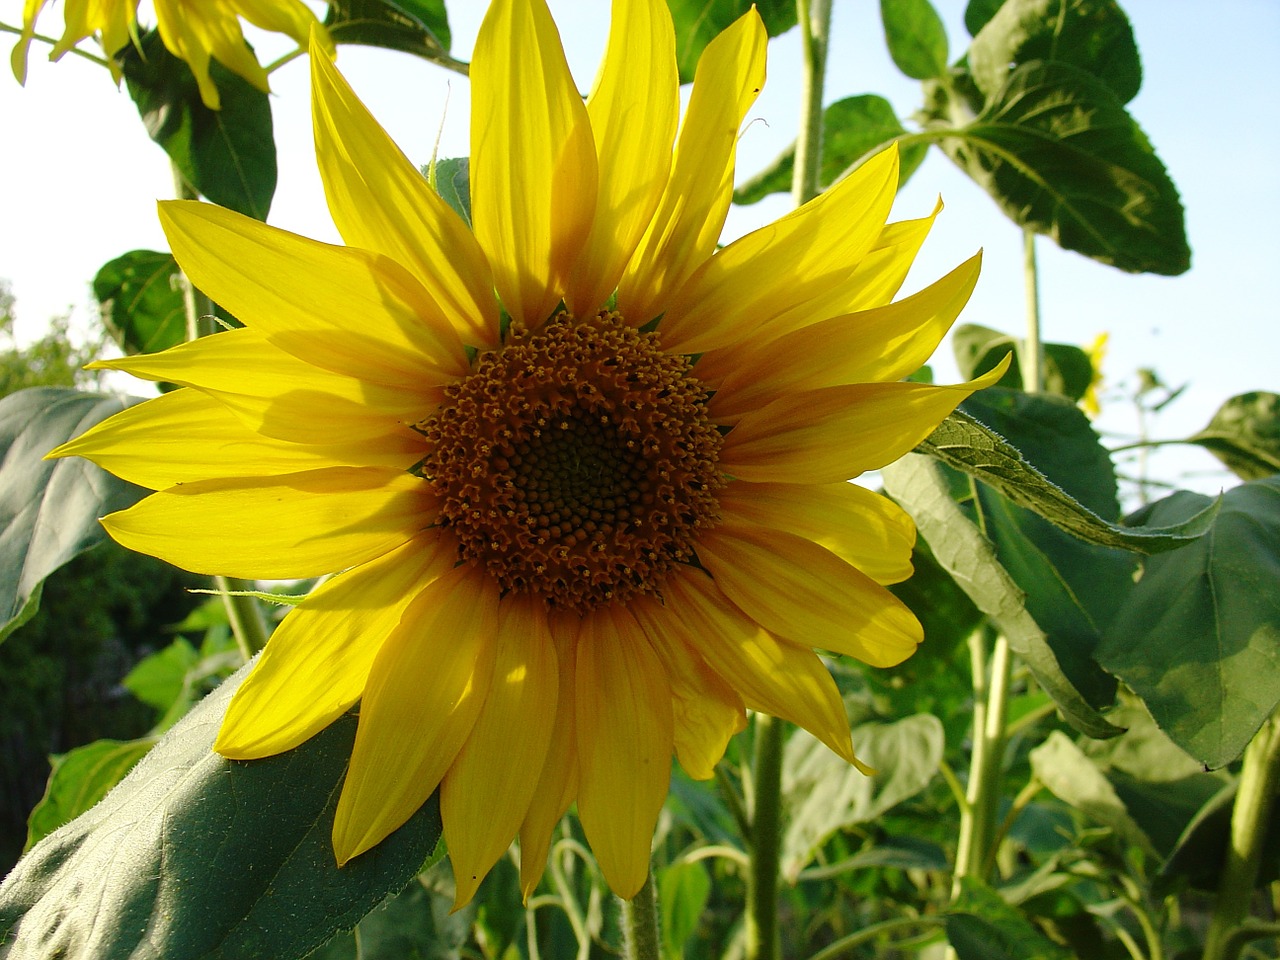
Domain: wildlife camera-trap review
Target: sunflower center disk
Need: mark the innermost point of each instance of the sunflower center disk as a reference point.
(577, 463)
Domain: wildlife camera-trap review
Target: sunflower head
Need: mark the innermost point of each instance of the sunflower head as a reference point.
(583, 475)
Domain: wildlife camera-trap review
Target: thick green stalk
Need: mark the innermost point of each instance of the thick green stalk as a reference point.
(814, 18)
(1259, 783)
(640, 923)
(1033, 355)
(763, 942)
(243, 613)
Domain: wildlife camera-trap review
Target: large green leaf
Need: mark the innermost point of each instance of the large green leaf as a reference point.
(142, 302)
(1244, 434)
(1067, 369)
(1199, 636)
(1072, 588)
(852, 129)
(420, 27)
(49, 509)
(227, 155)
(916, 38)
(1061, 155)
(195, 856)
(981, 926)
(962, 442)
(824, 794)
(698, 22)
(918, 483)
(1202, 848)
(79, 779)
(1093, 35)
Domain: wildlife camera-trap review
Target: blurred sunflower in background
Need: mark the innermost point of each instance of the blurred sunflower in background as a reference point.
(583, 524)
(192, 30)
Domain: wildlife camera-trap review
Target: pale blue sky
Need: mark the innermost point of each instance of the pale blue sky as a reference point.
(81, 179)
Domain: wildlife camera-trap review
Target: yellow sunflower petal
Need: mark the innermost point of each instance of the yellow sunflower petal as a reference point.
(558, 781)
(290, 17)
(344, 309)
(634, 107)
(803, 592)
(771, 676)
(793, 261)
(832, 434)
(380, 201)
(691, 213)
(624, 744)
(424, 692)
(708, 711)
(280, 396)
(273, 528)
(317, 661)
(485, 795)
(533, 158)
(215, 33)
(187, 435)
(861, 527)
(880, 344)
(18, 55)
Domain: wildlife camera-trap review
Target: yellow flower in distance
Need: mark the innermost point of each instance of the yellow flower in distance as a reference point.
(192, 30)
(579, 532)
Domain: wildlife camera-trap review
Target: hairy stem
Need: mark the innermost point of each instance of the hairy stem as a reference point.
(640, 923)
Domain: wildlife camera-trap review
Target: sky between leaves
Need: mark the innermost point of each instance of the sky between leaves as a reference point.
(80, 180)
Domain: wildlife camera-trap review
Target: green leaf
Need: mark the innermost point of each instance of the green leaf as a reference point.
(1244, 434)
(852, 129)
(453, 183)
(195, 856)
(79, 779)
(683, 891)
(1068, 371)
(49, 509)
(158, 680)
(1073, 778)
(227, 155)
(1059, 153)
(917, 482)
(1201, 852)
(981, 926)
(823, 794)
(142, 303)
(416, 924)
(916, 38)
(1199, 636)
(420, 27)
(698, 22)
(1072, 588)
(1093, 35)
(978, 12)
(965, 444)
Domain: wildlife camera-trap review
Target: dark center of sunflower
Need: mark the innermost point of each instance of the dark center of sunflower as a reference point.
(577, 463)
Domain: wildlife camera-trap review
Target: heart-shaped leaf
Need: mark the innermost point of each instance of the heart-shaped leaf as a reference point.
(1244, 434)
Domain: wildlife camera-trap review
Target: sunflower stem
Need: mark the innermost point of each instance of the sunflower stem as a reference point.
(763, 942)
(1033, 355)
(1259, 783)
(244, 615)
(52, 41)
(814, 18)
(640, 923)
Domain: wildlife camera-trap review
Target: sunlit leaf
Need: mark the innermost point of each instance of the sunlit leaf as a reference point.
(1093, 35)
(824, 794)
(683, 891)
(917, 482)
(1244, 434)
(1060, 154)
(1199, 636)
(852, 129)
(698, 22)
(227, 155)
(969, 446)
(453, 183)
(142, 303)
(193, 850)
(420, 27)
(49, 509)
(916, 38)
(79, 779)
(1067, 369)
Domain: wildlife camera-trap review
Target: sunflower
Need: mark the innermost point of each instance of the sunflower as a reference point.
(192, 30)
(584, 524)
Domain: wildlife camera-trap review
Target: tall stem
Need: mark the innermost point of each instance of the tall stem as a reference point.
(640, 923)
(1033, 356)
(1259, 783)
(243, 613)
(814, 18)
